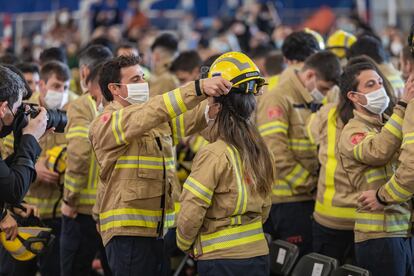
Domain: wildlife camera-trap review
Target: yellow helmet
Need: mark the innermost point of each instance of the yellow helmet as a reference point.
(30, 242)
(318, 37)
(56, 159)
(240, 70)
(339, 42)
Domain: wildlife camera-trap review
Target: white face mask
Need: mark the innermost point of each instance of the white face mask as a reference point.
(208, 119)
(377, 101)
(55, 99)
(137, 92)
(100, 108)
(317, 95)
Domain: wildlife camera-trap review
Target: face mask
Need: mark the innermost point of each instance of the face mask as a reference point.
(377, 101)
(100, 108)
(137, 92)
(55, 100)
(6, 130)
(208, 120)
(317, 95)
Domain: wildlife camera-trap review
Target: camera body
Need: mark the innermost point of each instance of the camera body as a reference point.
(55, 118)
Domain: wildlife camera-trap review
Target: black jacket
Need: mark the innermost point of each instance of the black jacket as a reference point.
(17, 172)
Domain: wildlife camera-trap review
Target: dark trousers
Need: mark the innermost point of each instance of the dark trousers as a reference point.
(47, 263)
(128, 256)
(386, 256)
(79, 244)
(257, 266)
(292, 222)
(338, 244)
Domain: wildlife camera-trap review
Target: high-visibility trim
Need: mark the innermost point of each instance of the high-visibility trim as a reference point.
(235, 220)
(117, 127)
(178, 128)
(93, 104)
(129, 217)
(297, 176)
(376, 174)
(301, 145)
(408, 138)
(241, 204)
(169, 219)
(174, 103)
(358, 147)
(87, 197)
(281, 188)
(74, 184)
(78, 131)
(182, 242)
(198, 143)
(308, 128)
(397, 192)
(45, 206)
(273, 128)
(368, 222)
(394, 125)
(144, 162)
(9, 141)
(93, 173)
(334, 211)
(198, 189)
(232, 237)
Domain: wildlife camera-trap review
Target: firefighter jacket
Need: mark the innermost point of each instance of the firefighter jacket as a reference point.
(394, 77)
(221, 215)
(282, 117)
(336, 199)
(162, 80)
(81, 177)
(368, 149)
(137, 163)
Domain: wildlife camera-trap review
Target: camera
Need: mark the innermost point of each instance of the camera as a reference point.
(55, 118)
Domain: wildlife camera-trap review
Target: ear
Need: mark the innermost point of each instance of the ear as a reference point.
(353, 97)
(115, 90)
(3, 109)
(310, 73)
(42, 87)
(84, 72)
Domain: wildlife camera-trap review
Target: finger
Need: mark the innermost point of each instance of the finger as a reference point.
(36, 212)
(228, 84)
(361, 198)
(14, 233)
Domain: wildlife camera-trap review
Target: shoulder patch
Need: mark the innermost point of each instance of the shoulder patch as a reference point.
(357, 138)
(274, 112)
(105, 117)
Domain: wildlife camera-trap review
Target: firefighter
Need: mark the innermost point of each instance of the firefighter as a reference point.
(226, 198)
(137, 163)
(80, 240)
(368, 148)
(406, 62)
(282, 123)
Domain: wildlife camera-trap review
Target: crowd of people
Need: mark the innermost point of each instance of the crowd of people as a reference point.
(127, 155)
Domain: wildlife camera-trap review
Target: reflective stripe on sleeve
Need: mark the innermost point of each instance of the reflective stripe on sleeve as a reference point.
(272, 128)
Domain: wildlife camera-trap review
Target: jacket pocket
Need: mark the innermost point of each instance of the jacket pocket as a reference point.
(143, 188)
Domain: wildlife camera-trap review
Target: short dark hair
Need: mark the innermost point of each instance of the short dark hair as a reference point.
(186, 61)
(53, 54)
(27, 93)
(125, 45)
(103, 41)
(11, 86)
(61, 70)
(95, 72)
(166, 41)
(205, 67)
(9, 58)
(111, 73)
(326, 64)
(299, 46)
(28, 67)
(274, 63)
(94, 54)
(261, 51)
(370, 46)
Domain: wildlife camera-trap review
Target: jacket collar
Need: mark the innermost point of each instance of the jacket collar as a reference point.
(298, 86)
(374, 121)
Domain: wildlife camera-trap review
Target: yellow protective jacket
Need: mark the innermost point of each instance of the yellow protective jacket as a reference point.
(336, 199)
(368, 150)
(81, 177)
(281, 119)
(137, 163)
(221, 215)
(162, 80)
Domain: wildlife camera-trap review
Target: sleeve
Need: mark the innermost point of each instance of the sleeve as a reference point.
(196, 197)
(400, 187)
(17, 171)
(313, 127)
(124, 125)
(191, 122)
(273, 124)
(375, 149)
(79, 152)
(266, 208)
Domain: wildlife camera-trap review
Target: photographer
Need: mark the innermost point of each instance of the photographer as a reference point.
(17, 171)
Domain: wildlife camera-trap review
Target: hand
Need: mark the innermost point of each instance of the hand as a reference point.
(9, 226)
(43, 173)
(68, 210)
(37, 126)
(30, 209)
(408, 89)
(216, 86)
(368, 201)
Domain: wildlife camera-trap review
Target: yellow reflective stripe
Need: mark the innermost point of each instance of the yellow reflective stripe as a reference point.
(178, 129)
(117, 127)
(9, 141)
(198, 189)
(198, 143)
(301, 144)
(87, 197)
(231, 237)
(273, 127)
(358, 147)
(174, 103)
(408, 138)
(368, 222)
(376, 174)
(129, 217)
(397, 192)
(241, 204)
(74, 184)
(182, 242)
(45, 205)
(281, 188)
(144, 162)
(93, 103)
(78, 131)
(235, 220)
(334, 211)
(93, 173)
(308, 128)
(394, 125)
(169, 219)
(297, 176)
